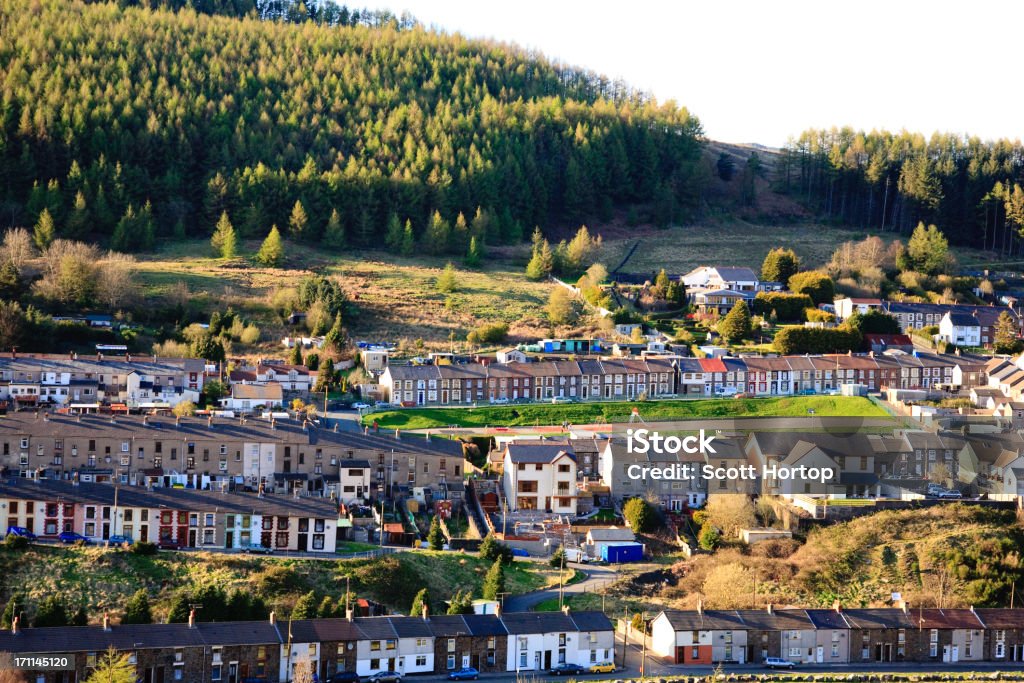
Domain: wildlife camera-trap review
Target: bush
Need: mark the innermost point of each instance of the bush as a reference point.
(488, 334)
(709, 538)
(797, 340)
(639, 514)
(787, 306)
(143, 548)
(557, 558)
(492, 549)
(815, 284)
(14, 542)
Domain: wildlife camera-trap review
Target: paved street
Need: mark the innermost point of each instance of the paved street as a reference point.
(596, 577)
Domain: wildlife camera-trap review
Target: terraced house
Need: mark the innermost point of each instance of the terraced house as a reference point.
(282, 455)
(273, 650)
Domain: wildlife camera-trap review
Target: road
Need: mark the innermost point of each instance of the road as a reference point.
(596, 576)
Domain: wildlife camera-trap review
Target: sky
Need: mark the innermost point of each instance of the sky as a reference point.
(760, 72)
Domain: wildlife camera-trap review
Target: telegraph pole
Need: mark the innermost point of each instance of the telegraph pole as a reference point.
(643, 655)
(561, 567)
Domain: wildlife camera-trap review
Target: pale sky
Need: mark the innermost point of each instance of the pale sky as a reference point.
(761, 71)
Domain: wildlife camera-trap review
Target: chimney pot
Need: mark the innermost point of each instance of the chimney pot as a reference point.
(106, 621)
(565, 609)
(771, 608)
(192, 618)
(426, 609)
(15, 626)
(349, 614)
(273, 618)
(837, 606)
(497, 610)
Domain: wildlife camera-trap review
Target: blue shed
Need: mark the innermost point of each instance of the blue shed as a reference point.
(622, 552)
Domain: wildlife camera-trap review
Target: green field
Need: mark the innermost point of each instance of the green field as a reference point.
(588, 413)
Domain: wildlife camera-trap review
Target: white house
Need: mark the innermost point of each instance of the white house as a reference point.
(354, 480)
(539, 476)
(961, 329)
(538, 641)
(290, 377)
(415, 645)
(511, 355)
(377, 649)
(699, 637)
(374, 358)
(722, 277)
(845, 306)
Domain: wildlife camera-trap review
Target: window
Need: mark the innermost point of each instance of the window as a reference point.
(215, 672)
(391, 644)
(421, 660)
(451, 661)
(933, 643)
(451, 645)
(374, 646)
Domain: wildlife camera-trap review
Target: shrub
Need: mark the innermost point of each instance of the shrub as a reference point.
(787, 306)
(640, 515)
(143, 548)
(13, 542)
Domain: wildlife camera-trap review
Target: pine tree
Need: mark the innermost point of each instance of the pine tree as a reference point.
(482, 226)
(494, 582)
(80, 617)
(435, 537)
(113, 667)
(394, 235)
(296, 358)
(779, 265)
(541, 263)
(51, 612)
(306, 606)
(298, 222)
(458, 241)
(327, 608)
(1005, 336)
(137, 610)
(437, 236)
(181, 602)
(335, 337)
(14, 606)
(224, 240)
(461, 603)
(78, 220)
(408, 240)
(271, 253)
(334, 233)
(473, 255)
(44, 231)
(736, 325)
(422, 598)
(447, 282)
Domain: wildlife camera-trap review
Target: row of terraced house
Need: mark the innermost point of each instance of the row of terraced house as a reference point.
(628, 379)
(839, 636)
(272, 650)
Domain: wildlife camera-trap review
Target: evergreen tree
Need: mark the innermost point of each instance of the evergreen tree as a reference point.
(928, 250)
(296, 358)
(779, 265)
(298, 222)
(447, 282)
(473, 255)
(224, 241)
(435, 537)
(51, 612)
(639, 514)
(13, 607)
(562, 308)
(335, 337)
(482, 226)
(113, 667)
(271, 253)
(80, 617)
(459, 240)
(422, 598)
(78, 220)
(137, 610)
(494, 582)
(736, 325)
(461, 603)
(181, 606)
(541, 263)
(437, 236)
(1006, 340)
(334, 233)
(44, 232)
(408, 240)
(394, 235)
(327, 608)
(305, 607)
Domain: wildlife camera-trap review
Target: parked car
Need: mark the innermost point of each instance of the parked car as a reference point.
(69, 537)
(257, 549)
(955, 495)
(359, 405)
(778, 663)
(168, 544)
(519, 552)
(561, 399)
(567, 670)
(522, 399)
(742, 395)
(466, 673)
(499, 401)
(726, 391)
(20, 531)
(603, 668)
(118, 539)
(386, 677)
(343, 677)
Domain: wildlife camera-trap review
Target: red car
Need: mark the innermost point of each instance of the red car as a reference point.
(168, 544)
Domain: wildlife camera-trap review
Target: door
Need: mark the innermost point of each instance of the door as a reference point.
(465, 661)
(191, 538)
(419, 397)
(945, 653)
(820, 654)
(233, 672)
(547, 659)
(955, 654)
(303, 542)
(229, 539)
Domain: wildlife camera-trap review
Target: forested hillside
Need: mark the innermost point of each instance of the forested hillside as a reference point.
(129, 124)
(883, 181)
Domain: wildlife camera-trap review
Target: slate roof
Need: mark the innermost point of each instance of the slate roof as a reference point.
(537, 453)
(537, 622)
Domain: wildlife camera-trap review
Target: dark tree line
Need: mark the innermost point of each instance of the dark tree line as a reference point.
(110, 112)
(969, 188)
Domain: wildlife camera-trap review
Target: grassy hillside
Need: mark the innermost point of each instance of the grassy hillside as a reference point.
(952, 555)
(584, 413)
(102, 580)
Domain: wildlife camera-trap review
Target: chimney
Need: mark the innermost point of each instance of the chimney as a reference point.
(106, 622)
(209, 422)
(335, 427)
(145, 420)
(700, 606)
(128, 357)
(14, 352)
(192, 619)
(837, 606)
(425, 610)
(15, 625)
(565, 610)
(273, 618)
(177, 420)
(46, 417)
(349, 614)
(398, 434)
(771, 608)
